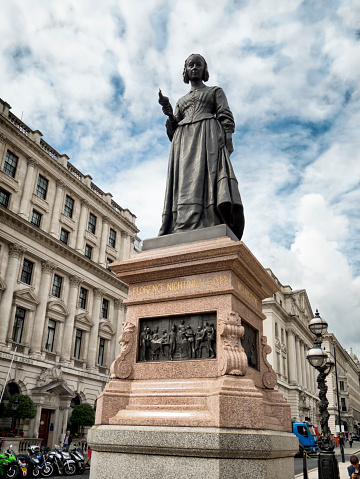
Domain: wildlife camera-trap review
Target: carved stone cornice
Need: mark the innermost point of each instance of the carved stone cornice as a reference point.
(47, 267)
(31, 162)
(16, 250)
(119, 304)
(75, 281)
(98, 293)
(48, 242)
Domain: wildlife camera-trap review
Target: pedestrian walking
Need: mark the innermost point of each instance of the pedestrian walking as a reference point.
(87, 460)
(350, 439)
(67, 440)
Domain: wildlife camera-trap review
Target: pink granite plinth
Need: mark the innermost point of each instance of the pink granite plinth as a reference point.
(218, 276)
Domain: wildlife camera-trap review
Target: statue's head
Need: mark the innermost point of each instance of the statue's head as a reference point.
(196, 57)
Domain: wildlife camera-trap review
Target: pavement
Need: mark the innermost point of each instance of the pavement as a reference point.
(313, 473)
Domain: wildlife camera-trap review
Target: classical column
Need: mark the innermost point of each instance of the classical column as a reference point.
(59, 335)
(120, 313)
(298, 361)
(69, 324)
(131, 246)
(12, 270)
(104, 240)
(36, 424)
(64, 422)
(54, 228)
(291, 357)
(94, 331)
(28, 185)
(38, 331)
(303, 362)
(124, 245)
(82, 225)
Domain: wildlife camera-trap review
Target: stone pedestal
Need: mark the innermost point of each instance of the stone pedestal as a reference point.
(192, 393)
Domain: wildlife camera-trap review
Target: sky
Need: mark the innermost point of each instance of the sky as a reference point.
(87, 73)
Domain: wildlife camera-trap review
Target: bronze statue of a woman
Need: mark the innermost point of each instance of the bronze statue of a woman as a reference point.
(201, 189)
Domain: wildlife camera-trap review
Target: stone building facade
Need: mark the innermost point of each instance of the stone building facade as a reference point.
(288, 314)
(61, 306)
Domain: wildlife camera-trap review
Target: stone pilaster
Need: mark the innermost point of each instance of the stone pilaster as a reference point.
(94, 332)
(104, 240)
(292, 357)
(54, 228)
(124, 245)
(298, 361)
(15, 254)
(28, 185)
(82, 225)
(45, 282)
(75, 281)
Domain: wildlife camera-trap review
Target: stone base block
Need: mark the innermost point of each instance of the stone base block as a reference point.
(138, 452)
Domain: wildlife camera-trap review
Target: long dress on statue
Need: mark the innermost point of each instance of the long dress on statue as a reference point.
(201, 189)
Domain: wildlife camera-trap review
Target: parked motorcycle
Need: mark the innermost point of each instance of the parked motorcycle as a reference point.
(68, 461)
(11, 467)
(55, 458)
(79, 458)
(39, 463)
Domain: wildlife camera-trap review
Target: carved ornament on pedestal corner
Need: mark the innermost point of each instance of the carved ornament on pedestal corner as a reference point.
(269, 377)
(122, 367)
(232, 357)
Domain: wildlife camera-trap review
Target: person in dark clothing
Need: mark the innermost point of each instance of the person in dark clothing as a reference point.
(354, 469)
(67, 440)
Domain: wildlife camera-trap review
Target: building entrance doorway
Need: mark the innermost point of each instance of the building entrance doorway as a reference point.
(44, 426)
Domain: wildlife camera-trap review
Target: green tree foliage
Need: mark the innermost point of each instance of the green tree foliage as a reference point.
(26, 408)
(83, 415)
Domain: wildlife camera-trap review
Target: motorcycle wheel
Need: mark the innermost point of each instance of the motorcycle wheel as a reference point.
(47, 470)
(36, 472)
(11, 472)
(69, 469)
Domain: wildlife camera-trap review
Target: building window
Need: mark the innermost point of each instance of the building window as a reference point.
(4, 198)
(101, 351)
(10, 164)
(69, 206)
(88, 251)
(82, 298)
(51, 335)
(282, 335)
(343, 404)
(26, 272)
(56, 288)
(41, 188)
(36, 218)
(64, 236)
(108, 261)
(18, 325)
(276, 330)
(105, 309)
(342, 386)
(77, 346)
(92, 223)
(112, 238)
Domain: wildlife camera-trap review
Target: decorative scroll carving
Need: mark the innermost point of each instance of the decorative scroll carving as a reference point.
(269, 377)
(249, 342)
(16, 250)
(233, 359)
(121, 368)
(47, 267)
(177, 338)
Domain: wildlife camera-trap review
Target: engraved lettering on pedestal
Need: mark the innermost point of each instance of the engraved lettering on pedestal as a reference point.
(121, 368)
(177, 338)
(269, 378)
(233, 358)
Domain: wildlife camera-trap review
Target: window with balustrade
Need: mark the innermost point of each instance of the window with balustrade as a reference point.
(57, 285)
(26, 272)
(112, 238)
(77, 344)
(36, 218)
(19, 322)
(10, 164)
(92, 223)
(69, 206)
(41, 187)
(4, 198)
(50, 341)
(101, 353)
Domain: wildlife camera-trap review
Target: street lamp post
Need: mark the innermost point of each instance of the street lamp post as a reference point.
(338, 404)
(14, 407)
(318, 358)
